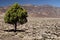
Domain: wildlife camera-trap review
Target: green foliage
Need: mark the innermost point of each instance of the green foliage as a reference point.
(15, 14)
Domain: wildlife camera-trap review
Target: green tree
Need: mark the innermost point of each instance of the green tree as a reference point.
(15, 14)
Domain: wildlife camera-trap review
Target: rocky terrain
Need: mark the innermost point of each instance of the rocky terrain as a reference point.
(35, 29)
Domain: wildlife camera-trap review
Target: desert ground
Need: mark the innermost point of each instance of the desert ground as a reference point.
(35, 29)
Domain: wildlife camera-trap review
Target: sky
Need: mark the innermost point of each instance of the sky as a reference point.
(33, 2)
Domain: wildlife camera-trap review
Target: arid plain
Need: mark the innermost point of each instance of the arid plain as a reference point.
(35, 29)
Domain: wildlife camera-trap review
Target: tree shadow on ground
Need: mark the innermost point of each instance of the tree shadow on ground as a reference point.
(12, 30)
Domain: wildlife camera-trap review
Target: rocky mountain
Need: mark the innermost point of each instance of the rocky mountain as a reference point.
(39, 11)
(43, 11)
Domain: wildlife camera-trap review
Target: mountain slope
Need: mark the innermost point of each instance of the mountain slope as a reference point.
(39, 11)
(43, 11)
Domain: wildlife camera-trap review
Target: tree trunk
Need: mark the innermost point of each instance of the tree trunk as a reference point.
(15, 27)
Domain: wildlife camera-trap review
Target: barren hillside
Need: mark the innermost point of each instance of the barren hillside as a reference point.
(39, 11)
(43, 11)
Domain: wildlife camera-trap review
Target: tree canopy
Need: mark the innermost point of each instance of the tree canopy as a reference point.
(15, 14)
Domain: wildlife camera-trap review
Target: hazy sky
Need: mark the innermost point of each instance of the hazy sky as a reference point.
(34, 2)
